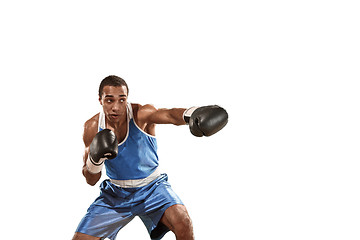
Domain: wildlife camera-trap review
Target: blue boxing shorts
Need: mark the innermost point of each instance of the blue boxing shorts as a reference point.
(116, 207)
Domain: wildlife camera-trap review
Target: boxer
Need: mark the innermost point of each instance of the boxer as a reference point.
(122, 138)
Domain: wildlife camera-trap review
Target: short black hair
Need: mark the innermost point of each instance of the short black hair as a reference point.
(112, 80)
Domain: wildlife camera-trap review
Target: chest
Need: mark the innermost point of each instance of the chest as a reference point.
(121, 133)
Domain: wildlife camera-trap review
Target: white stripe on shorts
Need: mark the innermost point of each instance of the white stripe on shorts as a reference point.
(134, 183)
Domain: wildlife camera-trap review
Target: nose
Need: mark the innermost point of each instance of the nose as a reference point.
(116, 107)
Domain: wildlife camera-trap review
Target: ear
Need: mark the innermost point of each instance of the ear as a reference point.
(100, 101)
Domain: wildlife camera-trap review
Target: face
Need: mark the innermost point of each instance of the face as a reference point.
(113, 101)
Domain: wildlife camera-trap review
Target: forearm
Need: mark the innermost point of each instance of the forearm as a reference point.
(176, 116)
(167, 116)
(91, 178)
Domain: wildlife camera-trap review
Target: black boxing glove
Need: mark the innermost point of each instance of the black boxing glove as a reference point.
(205, 121)
(104, 146)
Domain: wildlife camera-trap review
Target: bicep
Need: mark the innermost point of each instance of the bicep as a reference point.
(90, 130)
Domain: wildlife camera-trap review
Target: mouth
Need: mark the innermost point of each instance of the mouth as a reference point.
(114, 116)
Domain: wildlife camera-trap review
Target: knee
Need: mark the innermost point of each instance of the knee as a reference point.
(82, 236)
(177, 219)
(183, 226)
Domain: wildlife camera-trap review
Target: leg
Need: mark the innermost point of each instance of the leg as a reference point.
(104, 219)
(177, 219)
(82, 236)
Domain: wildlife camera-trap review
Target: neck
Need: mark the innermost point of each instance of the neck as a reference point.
(120, 128)
(116, 124)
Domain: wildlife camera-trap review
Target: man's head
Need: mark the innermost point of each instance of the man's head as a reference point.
(112, 80)
(113, 92)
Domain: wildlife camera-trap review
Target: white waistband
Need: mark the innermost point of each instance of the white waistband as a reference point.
(134, 183)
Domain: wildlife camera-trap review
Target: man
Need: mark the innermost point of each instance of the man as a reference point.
(122, 137)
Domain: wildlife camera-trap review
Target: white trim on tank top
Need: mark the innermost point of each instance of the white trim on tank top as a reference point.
(132, 116)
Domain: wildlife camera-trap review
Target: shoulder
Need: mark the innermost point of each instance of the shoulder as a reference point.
(142, 113)
(90, 129)
(93, 122)
(143, 110)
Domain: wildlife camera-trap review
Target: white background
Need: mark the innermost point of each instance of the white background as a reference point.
(285, 167)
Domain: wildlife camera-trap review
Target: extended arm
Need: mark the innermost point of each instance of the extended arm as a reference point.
(203, 121)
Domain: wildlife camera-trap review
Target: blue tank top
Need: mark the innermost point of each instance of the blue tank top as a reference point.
(137, 154)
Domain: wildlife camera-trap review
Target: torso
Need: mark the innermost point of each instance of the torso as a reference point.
(137, 150)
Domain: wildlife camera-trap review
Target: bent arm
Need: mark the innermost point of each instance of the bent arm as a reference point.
(90, 130)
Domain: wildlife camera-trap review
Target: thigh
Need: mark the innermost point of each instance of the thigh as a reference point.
(110, 212)
(102, 221)
(159, 197)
